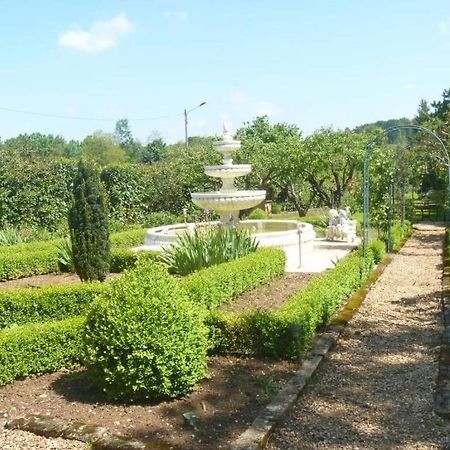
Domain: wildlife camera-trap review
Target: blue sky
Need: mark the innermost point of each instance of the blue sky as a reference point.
(340, 63)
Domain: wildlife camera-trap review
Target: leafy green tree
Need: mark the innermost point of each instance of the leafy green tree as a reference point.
(153, 151)
(88, 223)
(102, 149)
(332, 159)
(275, 152)
(126, 141)
(36, 145)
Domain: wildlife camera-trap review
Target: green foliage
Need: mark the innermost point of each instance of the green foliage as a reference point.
(123, 259)
(102, 149)
(399, 233)
(144, 339)
(39, 348)
(205, 248)
(29, 305)
(65, 255)
(126, 187)
(10, 235)
(128, 238)
(159, 218)
(27, 196)
(288, 332)
(41, 257)
(378, 249)
(27, 263)
(257, 214)
(219, 284)
(88, 223)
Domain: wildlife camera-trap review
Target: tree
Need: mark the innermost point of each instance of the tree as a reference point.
(101, 148)
(125, 140)
(275, 152)
(153, 151)
(36, 145)
(88, 224)
(331, 160)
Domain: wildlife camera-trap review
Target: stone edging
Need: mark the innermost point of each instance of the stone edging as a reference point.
(257, 435)
(442, 394)
(98, 437)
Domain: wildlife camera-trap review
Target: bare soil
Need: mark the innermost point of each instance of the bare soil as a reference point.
(226, 403)
(50, 279)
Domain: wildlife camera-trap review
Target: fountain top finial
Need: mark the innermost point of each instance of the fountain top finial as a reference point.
(226, 132)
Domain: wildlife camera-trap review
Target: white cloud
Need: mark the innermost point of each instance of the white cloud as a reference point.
(410, 86)
(102, 36)
(444, 28)
(180, 16)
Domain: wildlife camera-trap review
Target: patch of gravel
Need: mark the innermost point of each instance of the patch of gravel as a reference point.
(22, 440)
(375, 390)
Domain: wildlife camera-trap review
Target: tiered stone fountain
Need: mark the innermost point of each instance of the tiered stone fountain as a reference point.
(228, 201)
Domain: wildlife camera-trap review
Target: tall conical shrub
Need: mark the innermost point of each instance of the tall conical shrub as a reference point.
(88, 223)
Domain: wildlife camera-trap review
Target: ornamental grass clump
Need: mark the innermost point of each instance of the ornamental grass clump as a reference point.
(144, 338)
(205, 248)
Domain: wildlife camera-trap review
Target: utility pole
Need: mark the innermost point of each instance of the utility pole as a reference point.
(186, 143)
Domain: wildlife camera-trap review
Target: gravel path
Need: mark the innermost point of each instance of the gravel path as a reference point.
(375, 390)
(22, 440)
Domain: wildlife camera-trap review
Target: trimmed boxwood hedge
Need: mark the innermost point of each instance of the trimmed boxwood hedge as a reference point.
(30, 305)
(26, 264)
(215, 285)
(41, 257)
(39, 348)
(287, 332)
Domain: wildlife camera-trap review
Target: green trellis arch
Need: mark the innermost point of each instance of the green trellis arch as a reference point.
(368, 155)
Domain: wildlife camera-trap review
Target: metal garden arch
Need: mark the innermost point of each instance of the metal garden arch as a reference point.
(367, 158)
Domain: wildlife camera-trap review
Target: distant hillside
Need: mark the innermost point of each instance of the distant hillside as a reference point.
(396, 137)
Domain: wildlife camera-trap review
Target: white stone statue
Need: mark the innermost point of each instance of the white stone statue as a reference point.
(340, 227)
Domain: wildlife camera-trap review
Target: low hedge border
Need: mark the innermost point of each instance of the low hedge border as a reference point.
(39, 348)
(31, 305)
(38, 258)
(27, 264)
(287, 333)
(222, 283)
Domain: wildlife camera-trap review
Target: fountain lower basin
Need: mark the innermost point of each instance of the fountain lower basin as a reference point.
(268, 233)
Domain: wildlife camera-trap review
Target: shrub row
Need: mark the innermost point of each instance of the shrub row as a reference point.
(37, 258)
(26, 264)
(39, 348)
(215, 285)
(120, 239)
(28, 305)
(128, 238)
(287, 332)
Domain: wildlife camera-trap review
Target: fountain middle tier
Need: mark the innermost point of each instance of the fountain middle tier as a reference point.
(228, 203)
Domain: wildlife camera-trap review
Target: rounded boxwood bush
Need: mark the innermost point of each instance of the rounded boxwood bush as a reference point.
(143, 337)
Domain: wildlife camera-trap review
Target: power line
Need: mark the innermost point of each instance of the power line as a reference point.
(102, 119)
